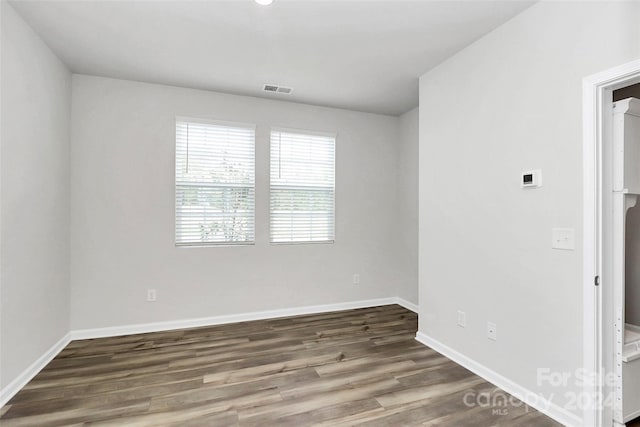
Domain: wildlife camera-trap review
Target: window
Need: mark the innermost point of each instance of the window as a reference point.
(302, 187)
(215, 188)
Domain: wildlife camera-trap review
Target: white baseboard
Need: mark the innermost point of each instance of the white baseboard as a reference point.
(632, 416)
(141, 328)
(406, 304)
(27, 375)
(12, 388)
(531, 399)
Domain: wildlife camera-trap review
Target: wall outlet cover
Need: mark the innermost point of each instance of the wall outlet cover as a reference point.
(492, 331)
(563, 238)
(462, 319)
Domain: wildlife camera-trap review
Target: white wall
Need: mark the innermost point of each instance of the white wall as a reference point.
(122, 214)
(512, 101)
(35, 197)
(407, 228)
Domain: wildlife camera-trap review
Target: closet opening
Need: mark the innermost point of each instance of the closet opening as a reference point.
(625, 252)
(632, 284)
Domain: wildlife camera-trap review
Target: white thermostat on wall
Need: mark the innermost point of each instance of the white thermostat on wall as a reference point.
(531, 179)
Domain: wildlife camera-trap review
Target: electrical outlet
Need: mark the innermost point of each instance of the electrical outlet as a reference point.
(462, 319)
(151, 295)
(492, 331)
(563, 238)
(356, 279)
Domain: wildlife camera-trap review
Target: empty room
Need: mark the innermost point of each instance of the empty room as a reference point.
(320, 213)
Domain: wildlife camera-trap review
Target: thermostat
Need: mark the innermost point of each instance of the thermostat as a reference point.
(531, 179)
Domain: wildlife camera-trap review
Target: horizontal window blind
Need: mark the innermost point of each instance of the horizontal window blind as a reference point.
(215, 183)
(302, 187)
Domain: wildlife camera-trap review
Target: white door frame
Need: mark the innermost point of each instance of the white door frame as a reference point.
(597, 116)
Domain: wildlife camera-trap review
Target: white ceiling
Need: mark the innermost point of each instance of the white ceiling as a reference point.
(360, 55)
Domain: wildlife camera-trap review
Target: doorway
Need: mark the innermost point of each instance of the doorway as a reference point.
(599, 314)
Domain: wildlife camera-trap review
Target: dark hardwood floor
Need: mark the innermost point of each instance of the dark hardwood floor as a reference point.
(354, 367)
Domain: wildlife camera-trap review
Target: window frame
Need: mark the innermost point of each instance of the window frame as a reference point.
(328, 134)
(221, 123)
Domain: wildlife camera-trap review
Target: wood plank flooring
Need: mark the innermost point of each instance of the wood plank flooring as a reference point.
(354, 367)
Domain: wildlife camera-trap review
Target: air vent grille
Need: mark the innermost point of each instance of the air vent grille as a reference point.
(277, 89)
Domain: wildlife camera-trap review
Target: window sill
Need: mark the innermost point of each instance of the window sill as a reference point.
(213, 245)
(322, 242)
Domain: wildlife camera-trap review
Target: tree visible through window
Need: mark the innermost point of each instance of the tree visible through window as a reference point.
(302, 187)
(215, 183)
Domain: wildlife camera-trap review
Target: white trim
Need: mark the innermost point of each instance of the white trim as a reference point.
(591, 269)
(27, 375)
(17, 384)
(406, 304)
(594, 88)
(530, 398)
(632, 416)
(305, 242)
(628, 106)
(295, 131)
(216, 122)
(233, 318)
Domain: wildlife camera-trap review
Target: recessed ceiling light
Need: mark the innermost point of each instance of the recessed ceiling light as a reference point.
(264, 2)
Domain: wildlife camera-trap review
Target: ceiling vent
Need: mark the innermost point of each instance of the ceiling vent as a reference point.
(278, 89)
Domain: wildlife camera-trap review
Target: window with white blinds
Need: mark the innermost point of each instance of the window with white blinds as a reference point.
(215, 183)
(302, 187)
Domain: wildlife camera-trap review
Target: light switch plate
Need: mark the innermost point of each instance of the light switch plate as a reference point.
(563, 238)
